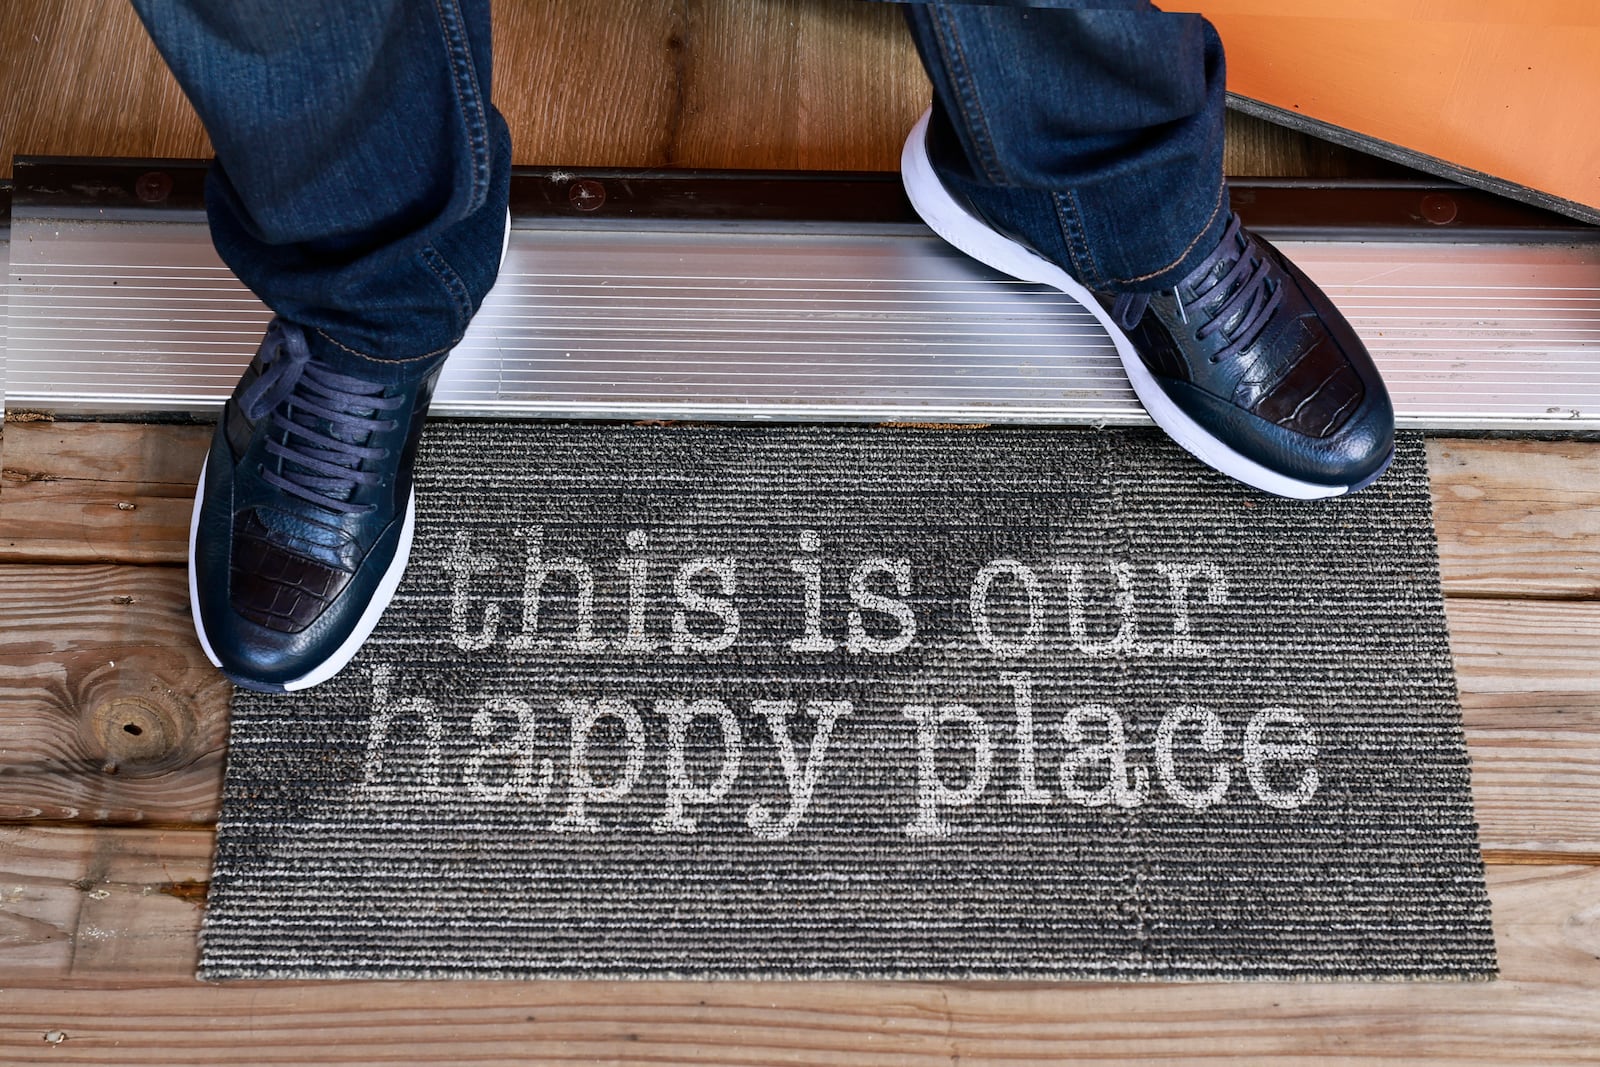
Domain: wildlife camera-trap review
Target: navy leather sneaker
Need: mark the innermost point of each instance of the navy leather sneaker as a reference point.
(1245, 362)
(303, 519)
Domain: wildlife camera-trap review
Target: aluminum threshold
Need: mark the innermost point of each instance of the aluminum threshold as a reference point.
(630, 317)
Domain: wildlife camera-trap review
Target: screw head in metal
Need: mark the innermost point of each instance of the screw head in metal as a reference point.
(153, 186)
(586, 195)
(1439, 209)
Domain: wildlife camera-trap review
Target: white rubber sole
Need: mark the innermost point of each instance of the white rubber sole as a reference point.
(369, 616)
(947, 218)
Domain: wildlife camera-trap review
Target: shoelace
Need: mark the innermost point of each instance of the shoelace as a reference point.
(322, 417)
(1248, 295)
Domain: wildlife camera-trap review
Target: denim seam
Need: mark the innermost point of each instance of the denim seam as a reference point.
(977, 122)
(451, 281)
(1216, 207)
(341, 346)
(464, 79)
(1079, 250)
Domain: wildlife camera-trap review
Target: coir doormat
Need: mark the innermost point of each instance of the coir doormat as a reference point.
(868, 702)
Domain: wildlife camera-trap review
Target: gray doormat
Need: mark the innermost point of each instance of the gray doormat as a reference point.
(868, 702)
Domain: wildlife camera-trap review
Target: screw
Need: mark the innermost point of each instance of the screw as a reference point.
(1439, 209)
(153, 186)
(586, 195)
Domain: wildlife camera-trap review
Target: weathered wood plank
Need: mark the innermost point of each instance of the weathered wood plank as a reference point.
(79, 903)
(1514, 518)
(109, 711)
(1517, 518)
(1527, 655)
(96, 947)
(98, 492)
(89, 652)
(1529, 677)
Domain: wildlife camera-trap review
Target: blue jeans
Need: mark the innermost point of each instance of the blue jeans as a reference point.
(361, 172)
(1095, 135)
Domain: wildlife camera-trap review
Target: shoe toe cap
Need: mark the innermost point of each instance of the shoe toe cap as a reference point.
(275, 587)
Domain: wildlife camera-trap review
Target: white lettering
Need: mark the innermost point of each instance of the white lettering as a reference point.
(1027, 790)
(1210, 741)
(582, 790)
(1125, 785)
(1005, 648)
(1125, 641)
(680, 791)
(1258, 750)
(811, 572)
(933, 796)
(1179, 578)
(535, 574)
(461, 563)
(637, 571)
(522, 783)
(802, 780)
(858, 640)
(690, 599)
(385, 712)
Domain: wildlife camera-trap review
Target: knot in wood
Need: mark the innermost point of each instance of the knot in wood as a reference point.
(133, 724)
(135, 732)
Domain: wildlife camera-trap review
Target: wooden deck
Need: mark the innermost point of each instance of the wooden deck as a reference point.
(112, 725)
(111, 745)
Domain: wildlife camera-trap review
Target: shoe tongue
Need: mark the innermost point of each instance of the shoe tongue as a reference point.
(1204, 289)
(1202, 283)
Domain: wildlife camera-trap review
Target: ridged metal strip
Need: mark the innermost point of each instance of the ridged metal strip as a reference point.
(885, 323)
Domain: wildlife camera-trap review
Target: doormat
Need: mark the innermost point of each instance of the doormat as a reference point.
(868, 702)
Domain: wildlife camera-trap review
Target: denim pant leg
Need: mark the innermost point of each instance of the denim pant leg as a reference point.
(1093, 134)
(361, 173)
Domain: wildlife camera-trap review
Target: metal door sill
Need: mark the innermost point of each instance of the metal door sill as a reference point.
(794, 298)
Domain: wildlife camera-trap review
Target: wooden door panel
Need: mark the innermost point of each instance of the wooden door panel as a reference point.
(1484, 91)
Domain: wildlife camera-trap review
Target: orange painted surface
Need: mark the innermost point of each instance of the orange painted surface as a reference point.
(1507, 87)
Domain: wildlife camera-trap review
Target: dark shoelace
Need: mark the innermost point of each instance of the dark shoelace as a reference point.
(321, 419)
(1239, 302)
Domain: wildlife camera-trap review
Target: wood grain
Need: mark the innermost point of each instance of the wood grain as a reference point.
(796, 84)
(109, 712)
(1529, 677)
(814, 84)
(114, 903)
(80, 77)
(98, 492)
(69, 893)
(1517, 518)
(1527, 655)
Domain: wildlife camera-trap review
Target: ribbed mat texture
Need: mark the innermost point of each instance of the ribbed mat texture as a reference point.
(857, 701)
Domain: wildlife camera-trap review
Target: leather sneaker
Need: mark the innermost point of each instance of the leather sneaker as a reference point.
(304, 514)
(303, 519)
(1245, 363)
